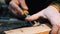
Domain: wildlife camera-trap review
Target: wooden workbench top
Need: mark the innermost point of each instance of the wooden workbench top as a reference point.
(42, 29)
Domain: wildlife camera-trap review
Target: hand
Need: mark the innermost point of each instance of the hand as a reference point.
(50, 13)
(15, 8)
(55, 23)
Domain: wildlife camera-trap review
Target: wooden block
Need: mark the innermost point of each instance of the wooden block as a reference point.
(42, 29)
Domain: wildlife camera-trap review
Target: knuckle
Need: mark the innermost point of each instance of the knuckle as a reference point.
(58, 25)
(11, 3)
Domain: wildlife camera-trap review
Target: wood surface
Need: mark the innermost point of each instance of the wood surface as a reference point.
(42, 29)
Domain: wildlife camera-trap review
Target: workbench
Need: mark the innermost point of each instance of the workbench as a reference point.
(42, 29)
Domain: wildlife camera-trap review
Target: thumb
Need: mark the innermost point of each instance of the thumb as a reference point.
(23, 4)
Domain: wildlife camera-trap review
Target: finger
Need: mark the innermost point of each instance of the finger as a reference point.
(16, 7)
(23, 4)
(54, 30)
(13, 11)
(16, 1)
(35, 16)
(59, 31)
